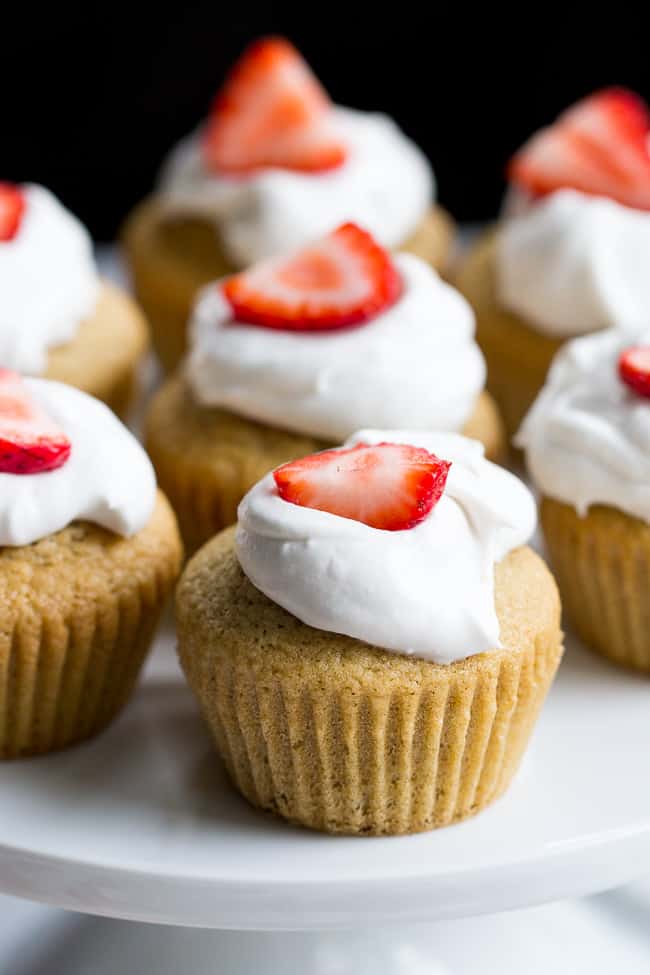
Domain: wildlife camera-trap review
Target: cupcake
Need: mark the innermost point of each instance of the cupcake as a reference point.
(274, 166)
(295, 354)
(58, 319)
(89, 552)
(372, 644)
(587, 443)
(568, 258)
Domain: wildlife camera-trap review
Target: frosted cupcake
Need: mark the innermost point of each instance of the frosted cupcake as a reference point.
(295, 354)
(58, 319)
(568, 258)
(372, 645)
(274, 166)
(89, 552)
(587, 443)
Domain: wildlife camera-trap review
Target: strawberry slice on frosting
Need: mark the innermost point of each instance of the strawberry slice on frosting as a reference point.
(272, 112)
(30, 441)
(344, 279)
(599, 146)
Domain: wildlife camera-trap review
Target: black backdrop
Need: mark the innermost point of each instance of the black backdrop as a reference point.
(89, 102)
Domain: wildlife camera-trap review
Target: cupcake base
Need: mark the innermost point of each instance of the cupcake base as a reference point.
(103, 357)
(518, 358)
(207, 458)
(602, 565)
(78, 610)
(170, 259)
(343, 737)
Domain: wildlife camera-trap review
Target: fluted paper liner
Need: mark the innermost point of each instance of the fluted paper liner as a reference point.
(79, 610)
(207, 458)
(602, 565)
(342, 737)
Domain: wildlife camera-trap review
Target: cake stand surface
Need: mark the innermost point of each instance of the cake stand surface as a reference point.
(141, 823)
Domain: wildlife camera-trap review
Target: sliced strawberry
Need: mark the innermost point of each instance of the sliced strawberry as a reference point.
(634, 369)
(341, 280)
(271, 111)
(30, 442)
(387, 486)
(12, 207)
(599, 146)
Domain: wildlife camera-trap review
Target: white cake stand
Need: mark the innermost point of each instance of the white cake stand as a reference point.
(142, 824)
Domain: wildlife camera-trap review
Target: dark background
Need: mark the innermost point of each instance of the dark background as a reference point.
(90, 102)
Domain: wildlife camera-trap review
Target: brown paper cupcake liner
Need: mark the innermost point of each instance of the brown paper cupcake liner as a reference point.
(70, 657)
(206, 459)
(341, 737)
(602, 565)
(355, 763)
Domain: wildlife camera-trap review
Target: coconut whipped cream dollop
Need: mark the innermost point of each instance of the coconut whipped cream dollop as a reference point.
(416, 364)
(571, 263)
(48, 282)
(587, 436)
(108, 478)
(385, 185)
(426, 591)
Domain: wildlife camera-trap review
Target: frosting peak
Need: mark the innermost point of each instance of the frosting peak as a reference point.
(427, 590)
(415, 365)
(572, 263)
(107, 479)
(587, 436)
(385, 185)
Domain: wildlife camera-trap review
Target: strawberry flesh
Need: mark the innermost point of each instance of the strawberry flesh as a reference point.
(344, 279)
(634, 369)
(12, 208)
(271, 112)
(389, 486)
(30, 441)
(599, 146)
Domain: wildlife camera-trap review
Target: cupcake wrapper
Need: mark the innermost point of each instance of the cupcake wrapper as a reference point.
(349, 762)
(78, 614)
(602, 566)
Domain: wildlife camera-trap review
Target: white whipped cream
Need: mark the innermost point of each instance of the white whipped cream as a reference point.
(48, 282)
(571, 263)
(414, 365)
(426, 591)
(385, 185)
(587, 436)
(108, 478)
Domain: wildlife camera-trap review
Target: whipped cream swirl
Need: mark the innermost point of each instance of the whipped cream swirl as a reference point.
(108, 478)
(415, 365)
(48, 282)
(587, 436)
(385, 185)
(426, 591)
(570, 263)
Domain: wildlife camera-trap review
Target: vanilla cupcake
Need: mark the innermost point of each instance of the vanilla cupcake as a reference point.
(58, 319)
(587, 443)
(89, 552)
(373, 643)
(258, 180)
(295, 354)
(568, 257)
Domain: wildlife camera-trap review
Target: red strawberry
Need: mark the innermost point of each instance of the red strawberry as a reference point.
(271, 111)
(30, 442)
(343, 279)
(599, 146)
(12, 207)
(387, 486)
(634, 369)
